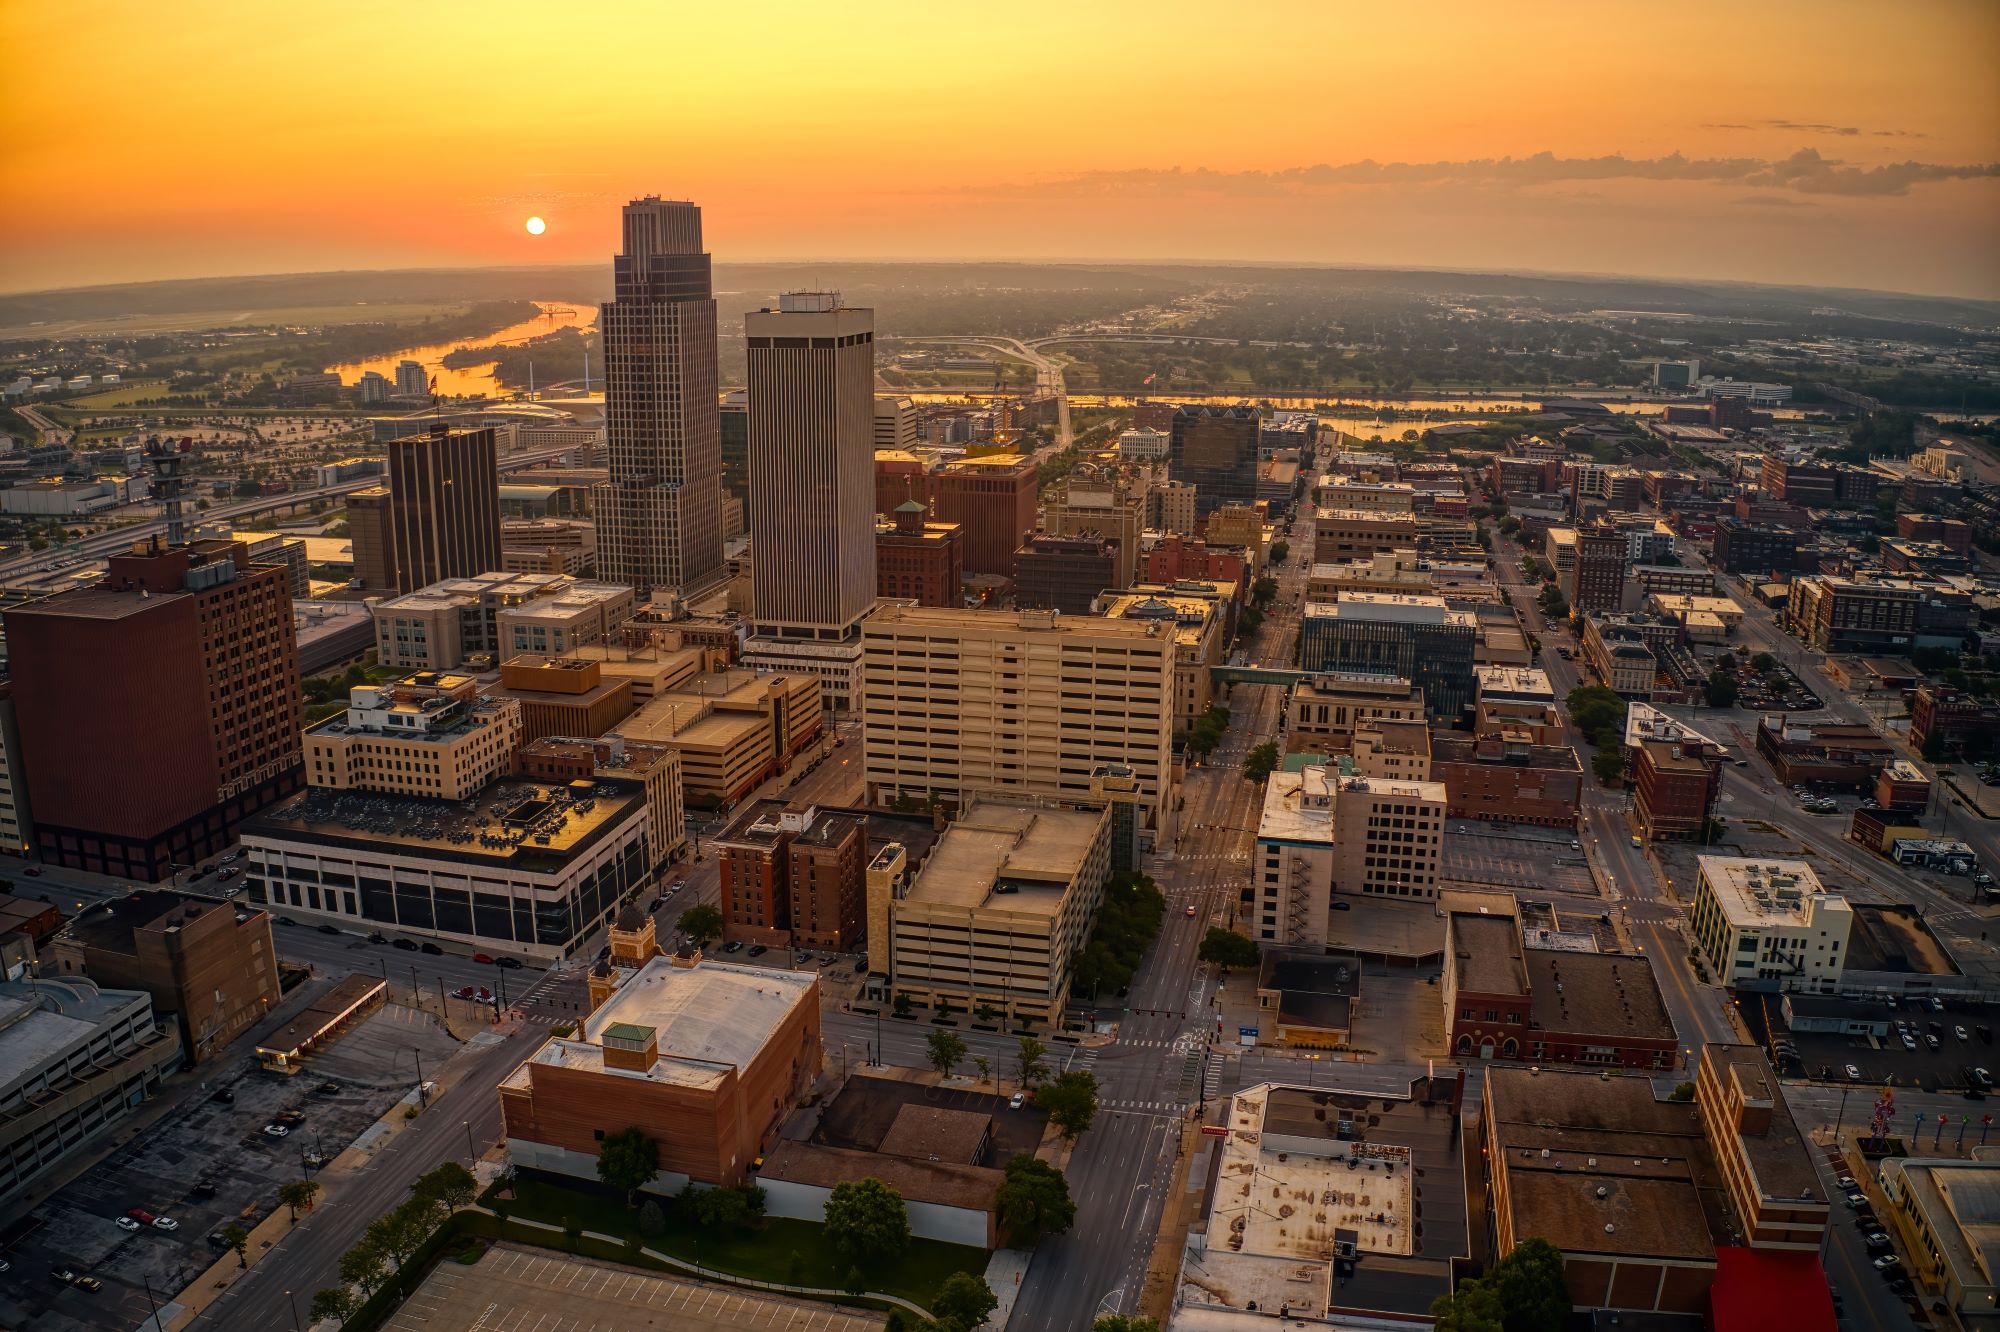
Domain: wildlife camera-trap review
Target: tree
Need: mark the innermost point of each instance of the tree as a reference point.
(238, 1239)
(1071, 1102)
(985, 1067)
(1259, 762)
(946, 1050)
(902, 1004)
(1249, 622)
(296, 1194)
(1608, 764)
(652, 1219)
(1594, 709)
(1124, 1323)
(1525, 1292)
(719, 1210)
(1033, 1201)
(701, 923)
(1227, 948)
(1028, 1061)
(628, 1160)
(450, 1184)
(1554, 605)
(1720, 691)
(1764, 663)
(1280, 551)
(362, 1266)
(1472, 1308)
(1264, 591)
(963, 1302)
(866, 1221)
(400, 1232)
(334, 1302)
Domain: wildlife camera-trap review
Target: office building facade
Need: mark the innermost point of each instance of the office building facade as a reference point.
(1417, 638)
(993, 498)
(1214, 449)
(659, 517)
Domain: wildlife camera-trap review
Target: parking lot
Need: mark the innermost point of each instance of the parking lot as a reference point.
(1885, 1060)
(207, 1144)
(1515, 856)
(526, 1290)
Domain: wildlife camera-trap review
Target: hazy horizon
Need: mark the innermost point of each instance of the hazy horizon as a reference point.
(1831, 144)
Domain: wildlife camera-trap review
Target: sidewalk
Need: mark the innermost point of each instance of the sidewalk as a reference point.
(227, 1270)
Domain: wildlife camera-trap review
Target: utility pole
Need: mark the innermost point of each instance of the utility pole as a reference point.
(422, 1098)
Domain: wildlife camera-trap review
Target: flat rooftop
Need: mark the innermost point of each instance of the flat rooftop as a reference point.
(707, 1019)
(42, 1018)
(1759, 892)
(1007, 858)
(1602, 994)
(111, 925)
(1488, 951)
(531, 826)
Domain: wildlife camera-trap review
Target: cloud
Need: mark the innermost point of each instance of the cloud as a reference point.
(1774, 201)
(1815, 127)
(1804, 172)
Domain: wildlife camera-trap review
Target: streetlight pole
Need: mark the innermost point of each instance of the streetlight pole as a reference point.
(471, 1156)
(422, 1099)
(293, 1300)
(152, 1303)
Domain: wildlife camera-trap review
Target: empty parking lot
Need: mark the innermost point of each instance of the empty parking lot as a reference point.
(526, 1290)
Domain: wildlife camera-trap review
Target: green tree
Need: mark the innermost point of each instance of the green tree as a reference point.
(1227, 948)
(361, 1266)
(652, 1219)
(628, 1160)
(945, 1050)
(1594, 709)
(1683, 1091)
(1264, 591)
(720, 1211)
(451, 1184)
(334, 1302)
(985, 1067)
(1472, 1308)
(1608, 764)
(1033, 1201)
(963, 1302)
(1280, 551)
(1249, 622)
(1124, 1323)
(1764, 663)
(1071, 1102)
(1554, 605)
(1525, 1292)
(296, 1194)
(238, 1240)
(701, 923)
(399, 1232)
(1028, 1063)
(1720, 691)
(1259, 762)
(902, 1004)
(866, 1221)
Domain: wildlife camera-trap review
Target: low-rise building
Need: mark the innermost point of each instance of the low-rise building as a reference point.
(555, 758)
(442, 626)
(1675, 786)
(1947, 722)
(563, 696)
(76, 1061)
(531, 869)
(706, 1058)
(548, 546)
(428, 733)
(1324, 709)
(919, 560)
(1505, 1000)
(1769, 924)
(1199, 638)
(1066, 573)
(732, 729)
(1847, 615)
(208, 964)
(1822, 754)
(1504, 779)
(1620, 654)
(1945, 1215)
(999, 910)
(1417, 637)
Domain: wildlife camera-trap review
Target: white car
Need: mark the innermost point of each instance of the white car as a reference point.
(1017, 1100)
(165, 1223)
(275, 1130)
(1960, 1032)
(125, 1223)
(1853, 1073)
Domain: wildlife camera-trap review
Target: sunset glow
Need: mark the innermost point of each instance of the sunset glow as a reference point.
(1800, 140)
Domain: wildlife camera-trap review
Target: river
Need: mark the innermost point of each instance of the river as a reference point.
(476, 381)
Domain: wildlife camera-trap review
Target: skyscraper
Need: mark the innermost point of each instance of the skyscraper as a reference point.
(439, 516)
(659, 518)
(1214, 449)
(812, 469)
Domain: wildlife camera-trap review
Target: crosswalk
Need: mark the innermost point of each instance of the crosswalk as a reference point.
(1162, 1108)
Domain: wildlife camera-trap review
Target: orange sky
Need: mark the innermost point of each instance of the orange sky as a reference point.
(140, 140)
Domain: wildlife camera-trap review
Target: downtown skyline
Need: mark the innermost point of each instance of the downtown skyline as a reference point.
(1831, 145)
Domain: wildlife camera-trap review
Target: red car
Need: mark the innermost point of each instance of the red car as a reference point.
(1191, 910)
(465, 991)
(485, 995)
(481, 957)
(141, 1215)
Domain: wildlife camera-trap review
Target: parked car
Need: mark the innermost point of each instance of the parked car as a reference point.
(231, 891)
(1876, 1239)
(203, 1190)
(734, 945)
(428, 947)
(329, 929)
(378, 938)
(1846, 1184)
(1887, 1261)
(508, 963)
(223, 1097)
(482, 959)
(407, 945)
(165, 1223)
(485, 995)
(1857, 1200)
(228, 857)
(757, 950)
(1017, 1100)
(464, 992)
(328, 1088)
(1961, 1033)
(71, 1278)
(288, 1117)
(125, 1223)
(1983, 1078)
(287, 920)
(141, 1215)
(275, 1130)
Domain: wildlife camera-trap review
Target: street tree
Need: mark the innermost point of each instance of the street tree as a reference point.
(945, 1050)
(701, 923)
(628, 1160)
(962, 1303)
(450, 1184)
(1264, 591)
(1028, 1063)
(1033, 1201)
(296, 1194)
(238, 1240)
(866, 1221)
(334, 1302)
(399, 1232)
(1259, 763)
(1720, 691)
(1227, 948)
(1071, 1102)
(363, 1266)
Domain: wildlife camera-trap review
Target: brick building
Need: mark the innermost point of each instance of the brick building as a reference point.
(157, 709)
(1492, 777)
(1675, 784)
(216, 974)
(1950, 722)
(1742, 546)
(917, 560)
(564, 696)
(1597, 583)
(794, 877)
(1811, 485)
(993, 499)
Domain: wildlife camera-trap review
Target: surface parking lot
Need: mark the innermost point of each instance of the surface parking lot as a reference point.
(525, 1290)
(204, 1144)
(1883, 1060)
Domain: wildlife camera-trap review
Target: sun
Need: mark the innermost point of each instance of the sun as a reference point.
(536, 226)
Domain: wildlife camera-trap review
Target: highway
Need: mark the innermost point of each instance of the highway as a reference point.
(1048, 373)
(1151, 1076)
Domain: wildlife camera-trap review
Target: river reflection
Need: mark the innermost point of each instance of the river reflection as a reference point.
(476, 381)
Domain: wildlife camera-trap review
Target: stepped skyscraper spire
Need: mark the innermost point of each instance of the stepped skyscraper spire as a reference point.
(659, 519)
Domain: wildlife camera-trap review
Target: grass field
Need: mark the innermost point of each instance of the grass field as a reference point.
(122, 396)
(361, 313)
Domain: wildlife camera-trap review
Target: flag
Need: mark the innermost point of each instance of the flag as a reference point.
(1149, 379)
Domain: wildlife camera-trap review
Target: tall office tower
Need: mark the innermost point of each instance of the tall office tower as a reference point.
(411, 381)
(659, 518)
(157, 709)
(1597, 583)
(812, 468)
(438, 517)
(1214, 449)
